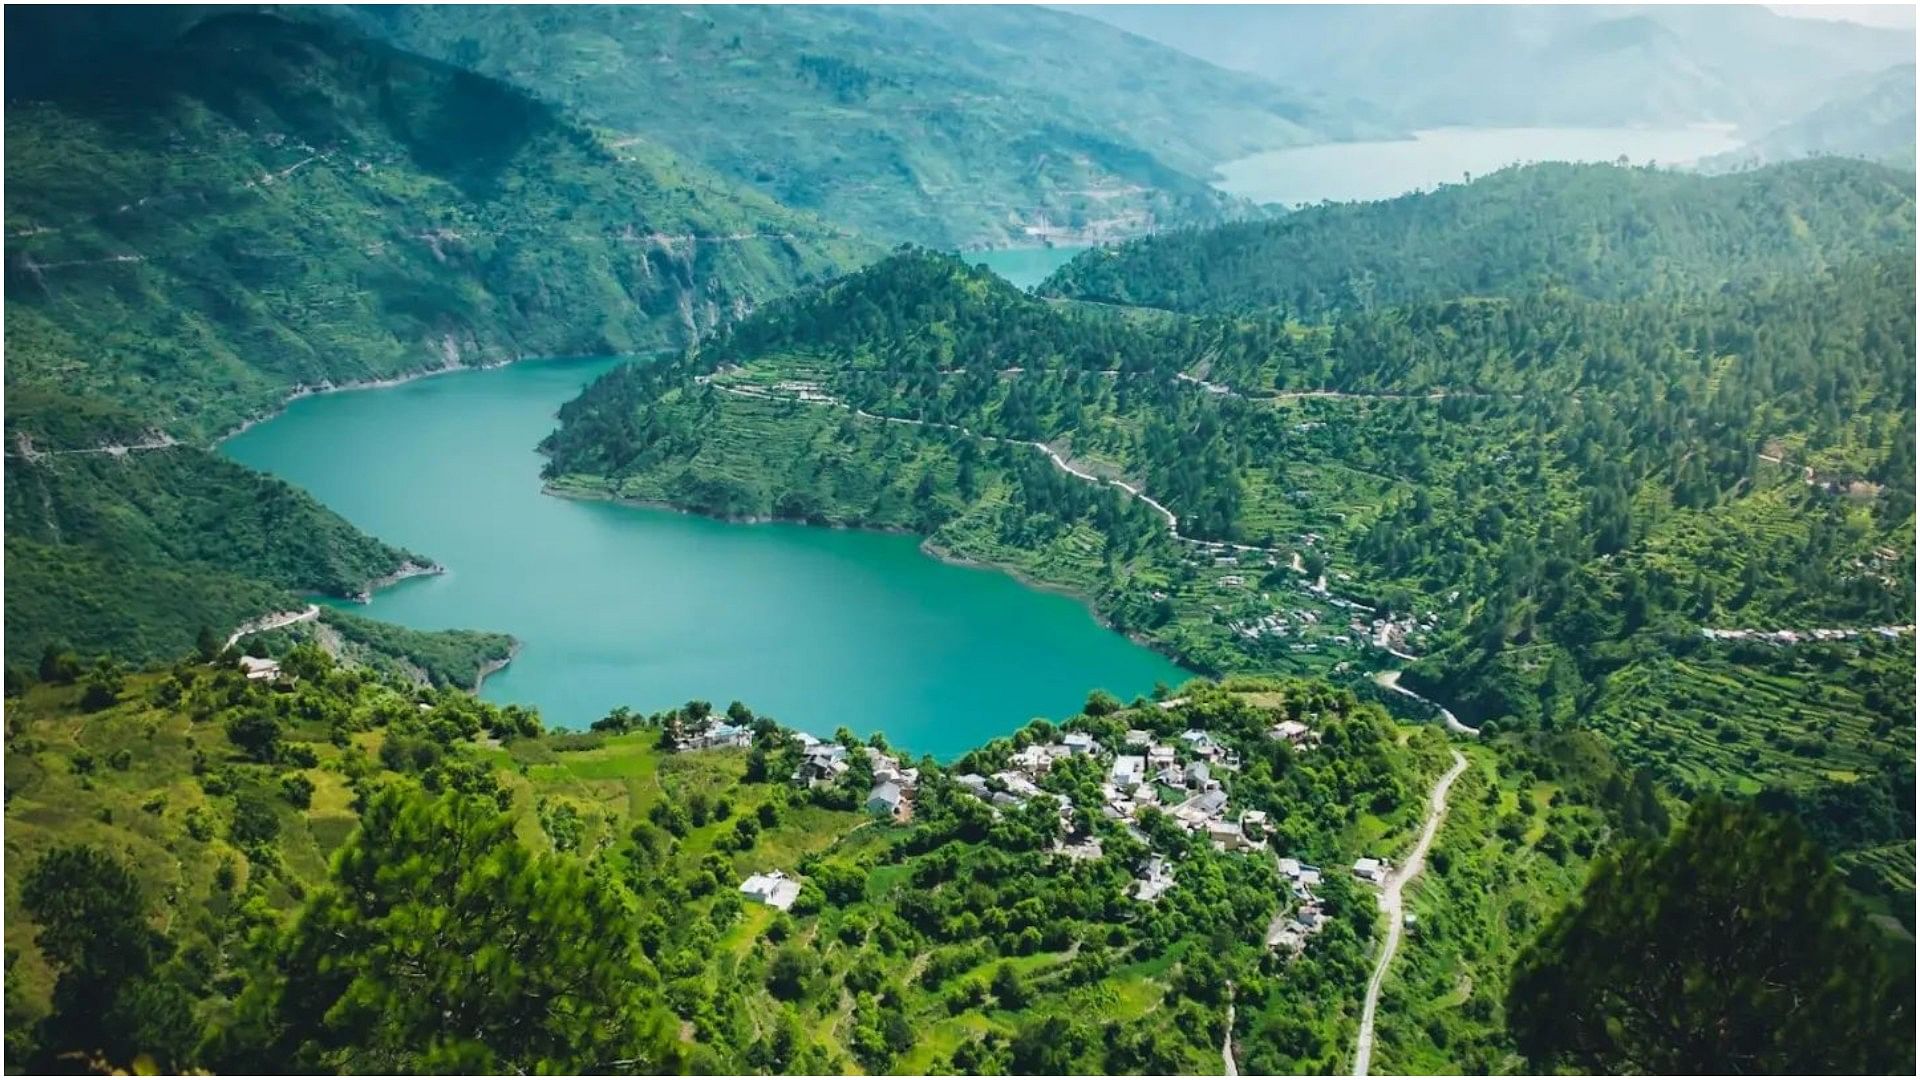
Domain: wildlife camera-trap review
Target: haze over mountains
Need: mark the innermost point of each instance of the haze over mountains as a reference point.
(946, 126)
(1432, 66)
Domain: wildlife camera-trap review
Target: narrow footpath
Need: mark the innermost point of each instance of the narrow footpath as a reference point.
(1392, 905)
(1226, 1044)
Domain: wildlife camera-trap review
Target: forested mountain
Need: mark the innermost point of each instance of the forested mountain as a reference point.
(1870, 117)
(206, 211)
(1560, 492)
(261, 203)
(1603, 231)
(1534, 64)
(944, 126)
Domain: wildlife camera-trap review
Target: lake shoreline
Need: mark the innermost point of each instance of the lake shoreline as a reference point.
(491, 667)
(613, 607)
(928, 548)
(303, 391)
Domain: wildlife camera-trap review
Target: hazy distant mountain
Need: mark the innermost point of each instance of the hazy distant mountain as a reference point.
(1870, 118)
(950, 126)
(1524, 65)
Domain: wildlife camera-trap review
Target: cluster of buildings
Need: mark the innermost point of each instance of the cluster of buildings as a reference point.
(1291, 931)
(893, 786)
(1796, 637)
(1011, 789)
(722, 735)
(823, 764)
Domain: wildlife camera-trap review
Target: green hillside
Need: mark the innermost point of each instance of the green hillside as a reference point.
(261, 204)
(947, 127)
(1602, 231)
(255, 817)
(209, 211)
(1549, 498)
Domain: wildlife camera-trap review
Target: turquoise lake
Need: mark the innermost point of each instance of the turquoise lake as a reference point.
(1025, 267)
(1350, 171)
(619, 605)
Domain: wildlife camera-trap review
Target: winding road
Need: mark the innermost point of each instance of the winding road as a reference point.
(1391, 681)
(274, 621)
(1392, 905)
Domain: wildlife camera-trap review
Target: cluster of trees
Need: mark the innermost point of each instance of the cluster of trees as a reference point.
(1730, 947)
(445, 934)
(1604, 231)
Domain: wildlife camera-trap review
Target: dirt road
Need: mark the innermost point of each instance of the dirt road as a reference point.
(1392, 906)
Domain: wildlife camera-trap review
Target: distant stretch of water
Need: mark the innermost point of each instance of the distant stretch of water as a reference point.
(1025, 267)
(1356, 171)
(617, 605)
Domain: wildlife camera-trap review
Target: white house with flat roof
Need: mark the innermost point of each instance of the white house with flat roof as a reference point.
(774, 889)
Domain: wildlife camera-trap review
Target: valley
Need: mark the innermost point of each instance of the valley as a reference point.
(928, 540)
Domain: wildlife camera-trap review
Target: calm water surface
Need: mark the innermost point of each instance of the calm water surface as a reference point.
(1381, 170)
(1025, 267)
(619, 605)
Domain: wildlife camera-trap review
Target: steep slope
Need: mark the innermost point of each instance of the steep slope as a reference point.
(1871, 118)
(262, 203)
(1493, 65)
(944, 126)
(1604, 231)
(206, 212)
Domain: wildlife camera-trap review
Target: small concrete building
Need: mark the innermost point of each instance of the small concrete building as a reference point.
(886, 800)
(774, 889)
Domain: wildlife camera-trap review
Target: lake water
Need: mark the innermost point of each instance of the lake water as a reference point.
(618, 605)
(1025, 267)
(1381, 170)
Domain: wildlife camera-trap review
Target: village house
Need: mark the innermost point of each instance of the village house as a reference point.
(720, 737)
(1371, 870)
(1138, 737)
(1127, 772)
(975, 785)
(1194, 814)
(774, 889)
(887, 768)
(1154, 879)
(1301, 876)
(1254, 823)
(260, 667)
(1200, 744)
(822, 763)
(1016, 785)
(1159, 757)
(1199, 778)
(1293, 732)
(1084, 851)
(1227, 836)
(1034, 760)
(1079, 742)
(887, 799)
